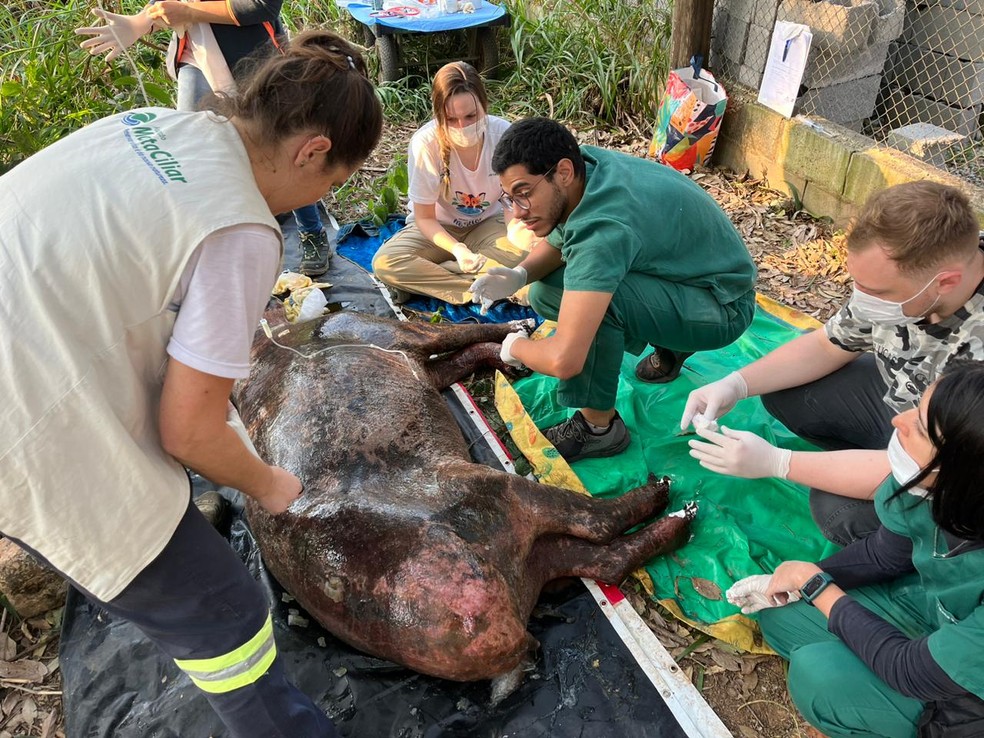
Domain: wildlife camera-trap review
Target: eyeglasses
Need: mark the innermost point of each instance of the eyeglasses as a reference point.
(523, 201)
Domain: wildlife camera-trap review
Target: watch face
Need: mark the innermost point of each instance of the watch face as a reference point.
(813, 585)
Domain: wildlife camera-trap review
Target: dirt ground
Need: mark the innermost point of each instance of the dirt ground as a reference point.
(801, 263)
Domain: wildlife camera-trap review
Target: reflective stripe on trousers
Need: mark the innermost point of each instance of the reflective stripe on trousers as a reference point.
(237, 668)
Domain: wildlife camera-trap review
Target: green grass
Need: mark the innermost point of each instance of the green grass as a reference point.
(587, 62)
(50, 87)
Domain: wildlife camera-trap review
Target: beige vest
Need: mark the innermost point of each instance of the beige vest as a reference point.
(95, 232)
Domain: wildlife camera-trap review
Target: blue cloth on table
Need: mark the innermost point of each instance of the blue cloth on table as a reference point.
(488, 13)
(359, 243)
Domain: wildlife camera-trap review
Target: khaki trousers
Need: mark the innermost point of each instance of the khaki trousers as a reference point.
(411, 262)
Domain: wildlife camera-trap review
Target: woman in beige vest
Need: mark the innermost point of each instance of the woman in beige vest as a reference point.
(129, 313)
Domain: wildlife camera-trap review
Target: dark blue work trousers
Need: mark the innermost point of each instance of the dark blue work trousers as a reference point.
(197, 600)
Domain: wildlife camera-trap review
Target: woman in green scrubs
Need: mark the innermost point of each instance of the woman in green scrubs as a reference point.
(886, 637)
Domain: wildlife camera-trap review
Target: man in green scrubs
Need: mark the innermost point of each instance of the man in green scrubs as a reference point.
(635, 254)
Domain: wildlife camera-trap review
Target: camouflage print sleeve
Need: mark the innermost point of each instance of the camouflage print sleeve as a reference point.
(847, 332)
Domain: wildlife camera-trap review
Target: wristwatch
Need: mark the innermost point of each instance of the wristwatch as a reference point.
(815, 585)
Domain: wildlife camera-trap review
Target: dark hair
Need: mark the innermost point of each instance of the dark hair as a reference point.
(317, 82)
(919, 224)
(955, 423)
(538, 144)
(453, 79)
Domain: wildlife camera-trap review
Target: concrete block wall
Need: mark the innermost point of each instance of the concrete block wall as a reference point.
(850, 46)
(846, 28)
(950, 80)
(843, 102)
(935, 73)
(897, 108)
(833, 170)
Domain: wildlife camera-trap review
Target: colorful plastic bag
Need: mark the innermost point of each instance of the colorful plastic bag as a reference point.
(689, 118)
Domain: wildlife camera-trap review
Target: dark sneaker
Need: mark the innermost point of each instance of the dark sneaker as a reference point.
(574, 439)
(661, 366)
(315, 253)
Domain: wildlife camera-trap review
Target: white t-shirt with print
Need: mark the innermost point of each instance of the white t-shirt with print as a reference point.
(474, 194)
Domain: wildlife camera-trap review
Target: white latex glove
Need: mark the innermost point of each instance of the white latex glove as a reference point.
(715, 399)
(519, 234)
(468, 261)
(119, 33)
(740, 454)
(506, 352)
(750, 594)
(497, 284)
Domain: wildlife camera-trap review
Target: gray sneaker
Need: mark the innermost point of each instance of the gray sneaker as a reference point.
(574, 439)
(215, 508)
(315, 253)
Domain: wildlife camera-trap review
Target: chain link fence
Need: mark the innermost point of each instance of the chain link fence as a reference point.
(908, 74)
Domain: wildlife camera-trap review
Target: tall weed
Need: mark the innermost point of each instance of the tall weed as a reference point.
(583, 61)
(587, 61)
(50, 87)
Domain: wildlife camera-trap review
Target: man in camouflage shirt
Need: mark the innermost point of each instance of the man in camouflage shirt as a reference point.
(916, 257)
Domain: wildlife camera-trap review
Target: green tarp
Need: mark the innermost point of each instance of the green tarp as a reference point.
(743, 526)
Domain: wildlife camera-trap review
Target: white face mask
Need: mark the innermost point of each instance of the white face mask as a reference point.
(467, 136)
(876, 310)
(904, 467)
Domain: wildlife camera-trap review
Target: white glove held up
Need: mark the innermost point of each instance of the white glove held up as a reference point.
(506, 352)
(740, 454)
(750, 594)
(468, 261)
(498, 284)
(119, 33)
(715, 399)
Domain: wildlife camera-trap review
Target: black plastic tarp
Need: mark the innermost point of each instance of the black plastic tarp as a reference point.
(585, 682)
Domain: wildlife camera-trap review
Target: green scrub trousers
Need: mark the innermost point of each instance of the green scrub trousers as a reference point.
(644, 310)
(833, 689)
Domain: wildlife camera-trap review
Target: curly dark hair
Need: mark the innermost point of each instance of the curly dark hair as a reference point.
(538, 144)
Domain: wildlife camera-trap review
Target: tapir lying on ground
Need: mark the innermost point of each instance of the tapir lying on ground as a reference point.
(401, 545)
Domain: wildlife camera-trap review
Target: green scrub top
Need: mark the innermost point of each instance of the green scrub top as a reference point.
(640, 216)
(954, 584)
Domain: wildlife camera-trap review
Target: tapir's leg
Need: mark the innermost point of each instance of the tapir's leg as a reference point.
(562, 556)
(557, 510)
(427, 339)
(447, 370)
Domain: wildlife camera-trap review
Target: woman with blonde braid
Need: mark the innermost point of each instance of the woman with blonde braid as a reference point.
(455, 229)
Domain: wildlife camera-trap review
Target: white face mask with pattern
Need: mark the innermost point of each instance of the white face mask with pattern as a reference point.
(876, 310)
(468, 136)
